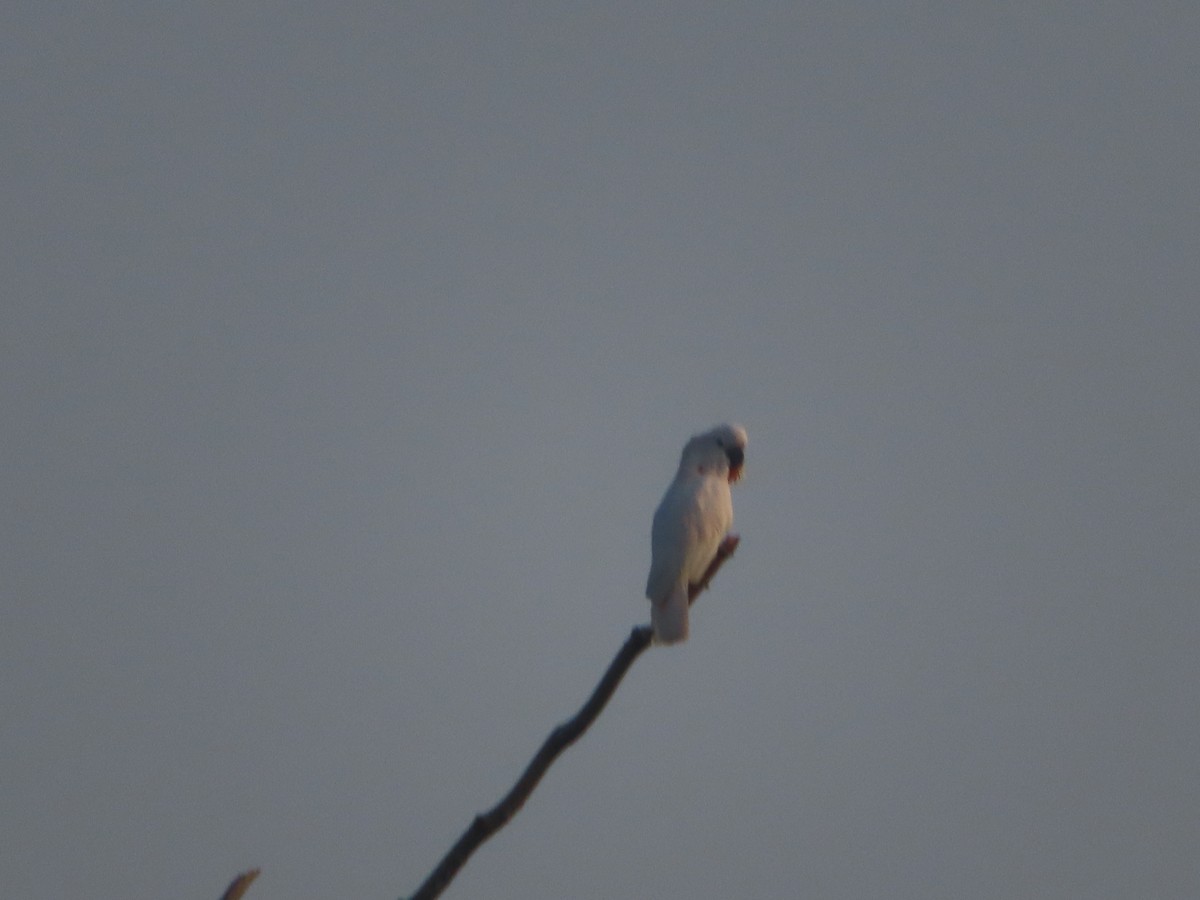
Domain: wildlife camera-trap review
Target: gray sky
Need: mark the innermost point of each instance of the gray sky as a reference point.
(347, 349)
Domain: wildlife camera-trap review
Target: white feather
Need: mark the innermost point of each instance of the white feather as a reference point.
(695, 514)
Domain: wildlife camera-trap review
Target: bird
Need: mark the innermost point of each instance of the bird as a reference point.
(693, 517)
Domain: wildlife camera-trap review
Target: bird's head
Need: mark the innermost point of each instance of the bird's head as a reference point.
(722, 450)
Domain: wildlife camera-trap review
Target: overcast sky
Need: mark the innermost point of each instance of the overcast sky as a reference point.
(346, 350)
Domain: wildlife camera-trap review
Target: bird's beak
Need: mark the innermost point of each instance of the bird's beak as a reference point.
(736, 458)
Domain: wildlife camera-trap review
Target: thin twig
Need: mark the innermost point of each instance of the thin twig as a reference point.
(238, 886)
(486, 824)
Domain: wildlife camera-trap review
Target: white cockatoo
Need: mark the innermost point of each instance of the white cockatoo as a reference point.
(695, 514)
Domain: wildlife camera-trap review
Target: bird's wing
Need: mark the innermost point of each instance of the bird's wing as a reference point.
(669, 541)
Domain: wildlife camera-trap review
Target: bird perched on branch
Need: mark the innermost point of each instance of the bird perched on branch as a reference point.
(695, 514)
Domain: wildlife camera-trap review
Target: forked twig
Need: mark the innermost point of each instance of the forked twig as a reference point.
(486, 824)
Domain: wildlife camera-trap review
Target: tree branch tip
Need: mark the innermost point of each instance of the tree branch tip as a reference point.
(238, 886)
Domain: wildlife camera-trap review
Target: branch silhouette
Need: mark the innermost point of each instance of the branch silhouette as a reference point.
(238, 886)
(487, 824)
(484, 825)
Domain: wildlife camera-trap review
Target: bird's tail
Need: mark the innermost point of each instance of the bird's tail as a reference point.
(670, 617)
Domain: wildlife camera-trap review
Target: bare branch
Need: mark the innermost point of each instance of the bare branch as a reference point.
(486, 824)
(238, 886)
